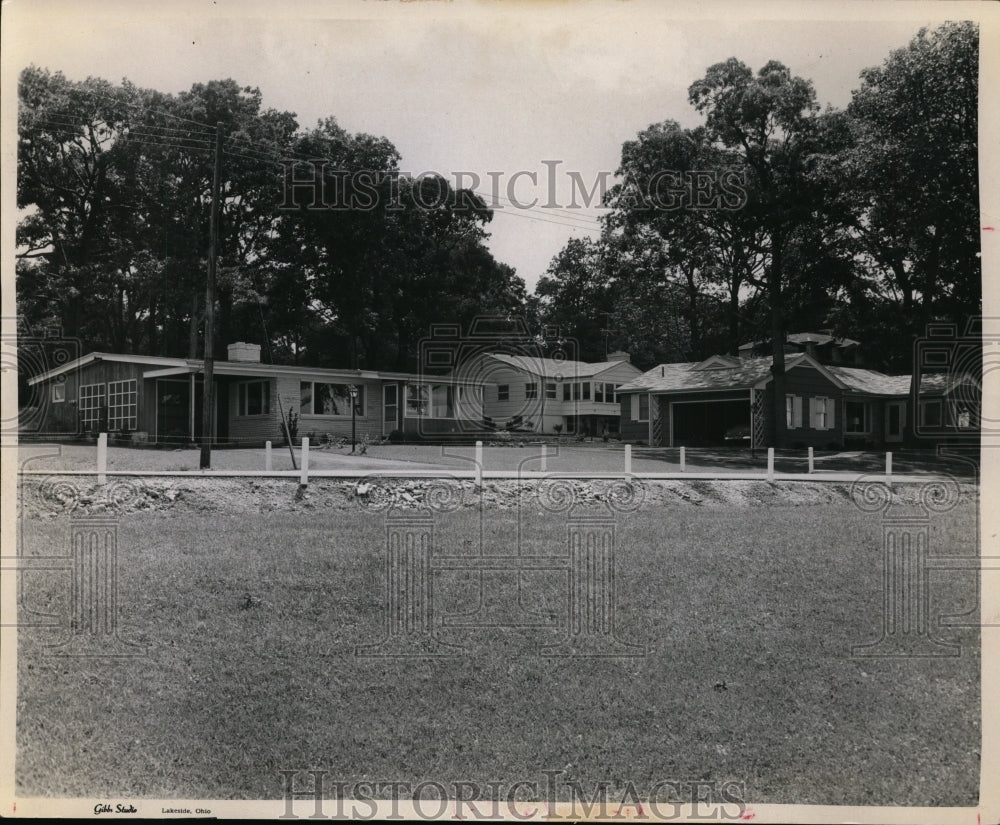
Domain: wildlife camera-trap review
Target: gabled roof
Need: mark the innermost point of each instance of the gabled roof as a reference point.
(160, 366)
(553, 368)
(756, 372)
(818, 338)
(871, 382)
(714, 362)
(687, 377)
(943, 383)
(69, 366)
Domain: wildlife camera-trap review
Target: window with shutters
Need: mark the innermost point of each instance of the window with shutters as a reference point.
(793, 412)
(823, 415)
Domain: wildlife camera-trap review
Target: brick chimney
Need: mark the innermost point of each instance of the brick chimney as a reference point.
(241, 351)
(618, 355)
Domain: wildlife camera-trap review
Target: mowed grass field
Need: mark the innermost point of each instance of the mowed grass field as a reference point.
(250, 620)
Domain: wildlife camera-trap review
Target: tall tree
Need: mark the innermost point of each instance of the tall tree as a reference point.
(906, 187)
(768, 118)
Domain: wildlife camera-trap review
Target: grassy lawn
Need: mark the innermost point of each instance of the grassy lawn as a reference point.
(250, 621)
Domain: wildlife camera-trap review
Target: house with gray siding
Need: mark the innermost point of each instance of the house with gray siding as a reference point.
(728, 400)
(159, 399)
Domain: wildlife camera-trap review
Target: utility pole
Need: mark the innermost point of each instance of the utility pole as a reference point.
(208, 392)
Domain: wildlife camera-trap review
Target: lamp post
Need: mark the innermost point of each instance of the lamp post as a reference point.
(353, 390)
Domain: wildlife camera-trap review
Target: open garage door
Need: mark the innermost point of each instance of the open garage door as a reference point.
(711, 423)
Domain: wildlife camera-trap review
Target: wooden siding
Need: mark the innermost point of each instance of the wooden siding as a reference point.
(63, 416)
(810, 384)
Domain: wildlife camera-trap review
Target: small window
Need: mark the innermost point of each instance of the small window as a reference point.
(503, 392)
(254, 398)
(550, 390)
(58, 393)
(640, 407)
(856, 417)
(585, 391)
(567, 389)
(531, 390)
(599, 391)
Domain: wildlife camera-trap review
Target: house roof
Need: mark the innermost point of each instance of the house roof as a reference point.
(553, 368)
(160, 367)
(818, 338)
(688, 377)
(943, 383)
(754, 372)
(871, 382)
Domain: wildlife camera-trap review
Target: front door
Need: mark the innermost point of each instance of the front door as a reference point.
(895, 419)
(390, 408)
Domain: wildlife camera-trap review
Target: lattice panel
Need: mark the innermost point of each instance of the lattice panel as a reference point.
(758, 409)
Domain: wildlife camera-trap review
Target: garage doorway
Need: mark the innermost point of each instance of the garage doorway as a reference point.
(710, 423)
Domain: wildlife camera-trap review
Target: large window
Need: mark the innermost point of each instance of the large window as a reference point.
(531, 390)
(253, 398)
(857, 417)
(550, 390)
(320, 398)
(599, 391)
(503, 392)
(585, 391)
(91, 401)
(567, 389)
(430, 401)
(122, 405)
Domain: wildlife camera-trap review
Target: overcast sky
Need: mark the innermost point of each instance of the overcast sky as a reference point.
(495, 88)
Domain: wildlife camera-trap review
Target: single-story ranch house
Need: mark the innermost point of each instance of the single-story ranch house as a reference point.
(159, 399)
(728, 400)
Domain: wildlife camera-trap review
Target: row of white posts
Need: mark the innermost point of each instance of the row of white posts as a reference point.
(102, 460)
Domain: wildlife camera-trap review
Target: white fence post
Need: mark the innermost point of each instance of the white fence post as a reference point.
(628, 459)
(268, 465)
(811, 466)
(888, 467)
(479, 463)
(683, 459)
(102, 458)
(544, 457)
(304, 470)
(770, 463)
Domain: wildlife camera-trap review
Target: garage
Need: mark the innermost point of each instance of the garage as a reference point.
(710, 423)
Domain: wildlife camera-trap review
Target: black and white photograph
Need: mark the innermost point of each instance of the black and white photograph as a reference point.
(500, 411)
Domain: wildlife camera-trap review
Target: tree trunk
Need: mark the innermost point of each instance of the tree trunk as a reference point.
(777, 345)
(193, 328)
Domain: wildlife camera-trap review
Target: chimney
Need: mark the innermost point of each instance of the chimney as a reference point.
(241, 351)
(618, 355)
